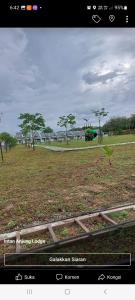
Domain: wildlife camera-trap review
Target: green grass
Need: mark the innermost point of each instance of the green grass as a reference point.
(64, 232)
(12, 224)
(120, 215)
(42, 186)
(106, 141)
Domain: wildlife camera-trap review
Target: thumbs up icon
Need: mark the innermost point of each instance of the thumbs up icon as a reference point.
(18, 277)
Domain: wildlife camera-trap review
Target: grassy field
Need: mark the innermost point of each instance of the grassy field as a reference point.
(41, 186)
(106, 140)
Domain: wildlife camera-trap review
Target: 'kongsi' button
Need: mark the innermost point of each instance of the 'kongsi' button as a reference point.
(114, 277)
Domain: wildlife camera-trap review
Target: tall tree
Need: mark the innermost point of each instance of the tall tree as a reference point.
(100, 114)
(132, 121)
(25, 131)
(66, 121)
(32, 123)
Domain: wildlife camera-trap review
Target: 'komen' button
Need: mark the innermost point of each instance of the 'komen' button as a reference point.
(72, 277)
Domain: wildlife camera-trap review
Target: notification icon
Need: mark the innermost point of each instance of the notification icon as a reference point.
(23, 7)
(29, 7)
(35, 7)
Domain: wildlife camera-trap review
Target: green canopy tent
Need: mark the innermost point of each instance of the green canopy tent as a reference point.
(90, 134)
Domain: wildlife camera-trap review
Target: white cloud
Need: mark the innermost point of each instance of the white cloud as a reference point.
(60, 71)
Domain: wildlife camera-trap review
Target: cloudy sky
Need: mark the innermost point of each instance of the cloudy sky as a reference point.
(60, 71)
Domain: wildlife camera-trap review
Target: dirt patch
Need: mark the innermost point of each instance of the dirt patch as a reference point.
(95, 223)
(96, 188)
(8, 207)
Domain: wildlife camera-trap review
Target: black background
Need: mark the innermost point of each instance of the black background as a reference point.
(48, 276)
(62, 14)
(57, 13)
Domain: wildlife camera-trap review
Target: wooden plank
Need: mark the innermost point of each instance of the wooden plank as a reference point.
(41, 227)
(105, 217)
(82, 225)
(107, 211)
(18, 245)
(34, 229)
(52, 233)
(64, 222)
(118, 209)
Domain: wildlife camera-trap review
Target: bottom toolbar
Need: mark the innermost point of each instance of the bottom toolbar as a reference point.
(73, 292)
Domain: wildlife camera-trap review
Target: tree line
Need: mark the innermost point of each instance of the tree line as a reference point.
(117, 125)
(33, 123)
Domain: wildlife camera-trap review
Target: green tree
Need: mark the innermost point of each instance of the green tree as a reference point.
(25, 131)
(12, 142)
(132, 121)
(32, 123)
(116, 125)
(100, 114)
(66, 121)
(1, 151)
(48, 130)
(9, 142)
(6, 138)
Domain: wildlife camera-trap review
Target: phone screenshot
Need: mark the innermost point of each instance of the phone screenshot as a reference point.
(67, 150)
